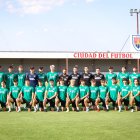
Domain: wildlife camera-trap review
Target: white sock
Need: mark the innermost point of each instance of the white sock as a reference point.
(67, 109)
(98, 106)
(107, 107)
(19, 108)
(77, 108)
(87, 107)
(57, 108)
(45, 108)
(34, 108)
(9, 108)
(120, 107)
(37, 106)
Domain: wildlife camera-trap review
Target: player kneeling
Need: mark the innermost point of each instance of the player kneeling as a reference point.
(26, 96)
(83, 96)
(39, 96)
(113, 93)
(103, 90)
(135, 91)
(62, 93)
(3, 95)
(72, 95)
(94, 91)
(13, 95)
(124, 95)
(50, 96)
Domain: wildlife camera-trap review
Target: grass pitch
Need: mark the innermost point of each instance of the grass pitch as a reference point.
(93, 125)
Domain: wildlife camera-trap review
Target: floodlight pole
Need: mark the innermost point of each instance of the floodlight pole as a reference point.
(135, 11)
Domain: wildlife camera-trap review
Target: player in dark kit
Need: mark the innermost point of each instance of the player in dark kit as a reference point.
(86, 76)
(33, 77)
(75, 76)
(65, 77)
(98, 76)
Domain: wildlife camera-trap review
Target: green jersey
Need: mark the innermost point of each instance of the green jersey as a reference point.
(93, 92)
(40, 91)
(51, 91)
(102, 92)
(83, 91)
(15, 90)
(125, 90)
(27, 92)
(134, 76)
(109, 77)
(42, 77)
(10, 79)
(121, 76)
(72, 92)
(54, 76)
(113, 92)
(21, 79)
(62, 92)
(135, 90)
(3, 94)
(2, 77)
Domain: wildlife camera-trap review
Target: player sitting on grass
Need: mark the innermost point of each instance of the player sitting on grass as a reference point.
(135, 93)
(39, 96)
(3, 95)
(94, 91)
(103, 89)
(124, 95)
(26, 96)
(62, 93)
(72, 94)
(83, 96)
(50, 95)
(112, 96)
(13, 95)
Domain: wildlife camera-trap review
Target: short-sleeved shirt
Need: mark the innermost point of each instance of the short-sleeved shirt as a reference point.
(113, 92)
(125, 90)
(121, 76)
(94, 91)
(51, 91)
(3, 94)
(15, 90)
(62, 92)
(27, 92)
(2, 77)
(83, 91)
(72, 92)
(134, 76)
(42, 77)
(10, 79)
(40, 91)
(65, 78)
(103, 92)
(98, 78)
(21, 79)
(75, 77)
(53, 76)
(33, 79)
(87, 77)
(135, 90)
(109, 77)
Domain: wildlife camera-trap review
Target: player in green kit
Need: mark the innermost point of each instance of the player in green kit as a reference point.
(122, 75)
(135, 91)
(42, 75)
(103, 89)
(13, 95)
(3, 95)
(2, 75)
(53, 75)
(110, 75)
(72, 94)
(21, 76)
(10, 76)
(94, 92)
(26, 96)
(134, 75)
(83, 96)
(50, 95)
(113, 93)
(39, 96)
(62, 93)
(124, 95)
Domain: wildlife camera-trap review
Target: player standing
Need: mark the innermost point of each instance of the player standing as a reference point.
(65, 77)
(2, 75)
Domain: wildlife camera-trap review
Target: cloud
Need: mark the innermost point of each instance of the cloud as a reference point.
(20, 33)
(36, 6)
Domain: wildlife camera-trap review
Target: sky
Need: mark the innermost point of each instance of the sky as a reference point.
(67, 25)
